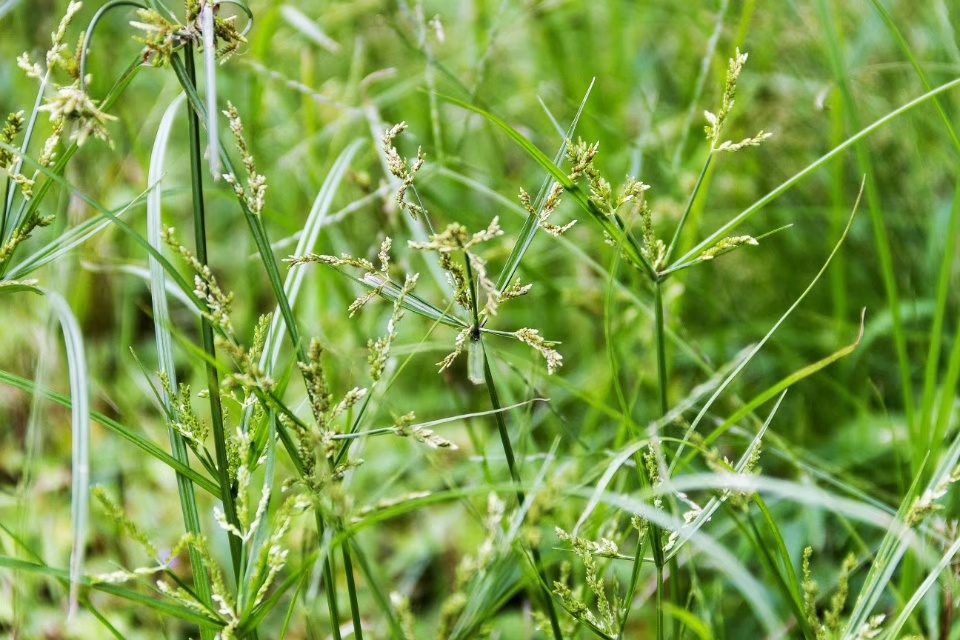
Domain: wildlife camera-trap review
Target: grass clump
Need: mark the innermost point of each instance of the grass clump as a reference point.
(575, 420)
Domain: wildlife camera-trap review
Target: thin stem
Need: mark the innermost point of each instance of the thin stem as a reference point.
(689, 257)
(660, 602)
(521, 497)
(330, 582)
(206, 329)
(474, 306)
(352, 590)
(661, 348)
(686, 211)
(662, 388)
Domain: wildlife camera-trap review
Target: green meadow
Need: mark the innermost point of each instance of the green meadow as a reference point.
(479, 319)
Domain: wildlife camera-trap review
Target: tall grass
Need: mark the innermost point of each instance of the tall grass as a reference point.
(341, 380)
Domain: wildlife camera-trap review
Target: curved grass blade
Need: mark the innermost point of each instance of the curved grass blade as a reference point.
(779, 387)
(756, 349)
(79, 440)
(161, 326)
(124, 432)
(683, 262)
(613, 225)
(530, 226)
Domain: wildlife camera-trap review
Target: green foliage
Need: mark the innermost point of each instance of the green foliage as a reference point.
(604, 461)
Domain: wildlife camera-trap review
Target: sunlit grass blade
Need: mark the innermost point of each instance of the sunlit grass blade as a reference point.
(210, 86)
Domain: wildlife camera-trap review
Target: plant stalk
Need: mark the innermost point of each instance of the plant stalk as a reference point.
(206, 329)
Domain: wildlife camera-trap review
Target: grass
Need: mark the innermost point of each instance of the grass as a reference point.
(292, 355)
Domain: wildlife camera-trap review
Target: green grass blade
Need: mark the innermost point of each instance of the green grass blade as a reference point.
(945, 561)
(128, 434)
(161, 327)
(218, 426)
(79, 440)
(521, 497)
(715, 503)
(254, 223)
(790, 576)
(902, 43)
(762, 552)
(613, 225)
(737, 220)
(879, 224)
(171, 271)
(308, 240)
(936, 428)
(756, 349)
(897, 540)
(530, 225)
(158, 605)
(68, 241)
(779, 387)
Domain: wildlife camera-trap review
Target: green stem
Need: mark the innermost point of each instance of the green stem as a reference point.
(206, 329)
(508, 449)
(521, 497)
(659, 327)
(352, 590)
(689, 207)
(660, 602)
(259, 234)
(330, 581)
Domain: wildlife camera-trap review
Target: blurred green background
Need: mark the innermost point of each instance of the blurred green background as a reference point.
(655, 66)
